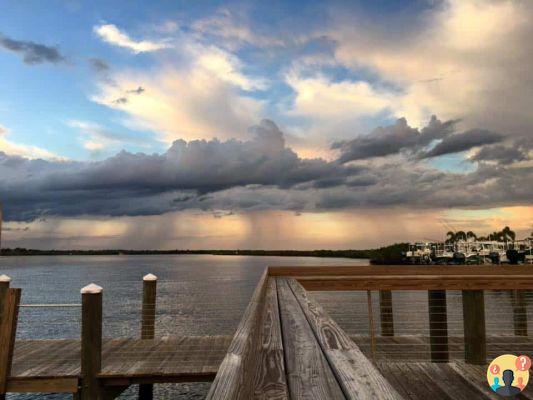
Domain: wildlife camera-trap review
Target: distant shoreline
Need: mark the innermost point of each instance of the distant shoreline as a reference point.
(389, 253)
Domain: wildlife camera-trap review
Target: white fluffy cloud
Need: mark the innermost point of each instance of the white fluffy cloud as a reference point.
(111, 34)
(459, 59)
(204, 94)
(17, 149)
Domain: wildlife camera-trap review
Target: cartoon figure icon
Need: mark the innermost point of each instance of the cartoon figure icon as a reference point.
(520, 383)
(508, 374)
(496, 383)
(508, 389)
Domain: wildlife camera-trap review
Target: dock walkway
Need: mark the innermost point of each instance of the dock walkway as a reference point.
(285, 347)
(56, 363)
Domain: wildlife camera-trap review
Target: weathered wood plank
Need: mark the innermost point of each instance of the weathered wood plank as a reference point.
(8, 330)
(518, 302)
(386, 313)
(233, 381)
(146, 391)
(476, 376)
(474, 327)
(308, 372)
(42, 385)
(409, 270)
(270, 381)
(357, 376)
(438, 325)
(91, 341)
(443, 376)
(172, 357)
(416, 282)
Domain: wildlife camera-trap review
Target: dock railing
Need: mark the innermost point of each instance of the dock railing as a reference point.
(439, 282)
(380, 283)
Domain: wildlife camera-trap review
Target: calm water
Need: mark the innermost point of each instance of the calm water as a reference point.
(199, 295)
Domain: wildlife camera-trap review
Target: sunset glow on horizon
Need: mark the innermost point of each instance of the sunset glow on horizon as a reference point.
(250, 125)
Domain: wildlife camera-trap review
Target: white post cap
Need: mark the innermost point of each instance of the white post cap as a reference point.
(91, 289)
(5, 278)
(150, 277)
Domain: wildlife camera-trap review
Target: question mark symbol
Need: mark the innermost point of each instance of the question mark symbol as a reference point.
(495, 369)
(523, 363)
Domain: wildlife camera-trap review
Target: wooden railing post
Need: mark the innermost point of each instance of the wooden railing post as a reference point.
(474, 327)
(438, 325)
(148, 324)
(91, 341)
(9, 307)
(519, 312)
(385, 312)
(4, 286)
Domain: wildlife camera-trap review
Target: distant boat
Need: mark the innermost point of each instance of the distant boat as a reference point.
(470, 252)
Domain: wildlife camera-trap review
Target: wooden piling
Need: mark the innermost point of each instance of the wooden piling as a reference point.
(474, 327)
(148, 324)
(91, 341)
(385, 312)
(8, 330)
(438, 325)
(519, 312)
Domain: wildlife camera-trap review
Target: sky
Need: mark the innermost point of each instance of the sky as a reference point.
(271, 125)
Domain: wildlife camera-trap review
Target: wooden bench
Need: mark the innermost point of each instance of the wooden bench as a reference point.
(287, 347)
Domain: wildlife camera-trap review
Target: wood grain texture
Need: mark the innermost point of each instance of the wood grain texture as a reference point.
(236, 373)
(42, 385)
(91, 345)
(474, 327)
(270, 381)
(476, 376)
(412, 270)
(416, 282)
(357, 376)
(386, 313)
(519, 304)
(308, 372)
(146, 391)
(8, 330)
(185, 356)
(438, 325)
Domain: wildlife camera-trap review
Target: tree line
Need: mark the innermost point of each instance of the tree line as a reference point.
(505, 235)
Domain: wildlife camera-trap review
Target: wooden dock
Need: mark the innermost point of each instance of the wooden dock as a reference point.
(286, 346)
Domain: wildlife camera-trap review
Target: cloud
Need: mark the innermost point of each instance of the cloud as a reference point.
(453, 58)
(393, 139)
(233, 30)
(139, 90)
(30, 152)
(99, 65)
(318, 97)
(156, 183)
(202, 96)
(109, 33)
(463, 141)
(505, 154)
(95, 137)
(32, 53)
(259, 173)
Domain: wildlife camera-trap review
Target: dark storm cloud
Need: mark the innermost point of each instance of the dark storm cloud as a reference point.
(256, 174)
(146, 184)
(505, 154)
(463, 141)
(393, 139)
(32, 53)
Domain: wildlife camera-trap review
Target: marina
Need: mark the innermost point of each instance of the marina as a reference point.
(466, 251)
